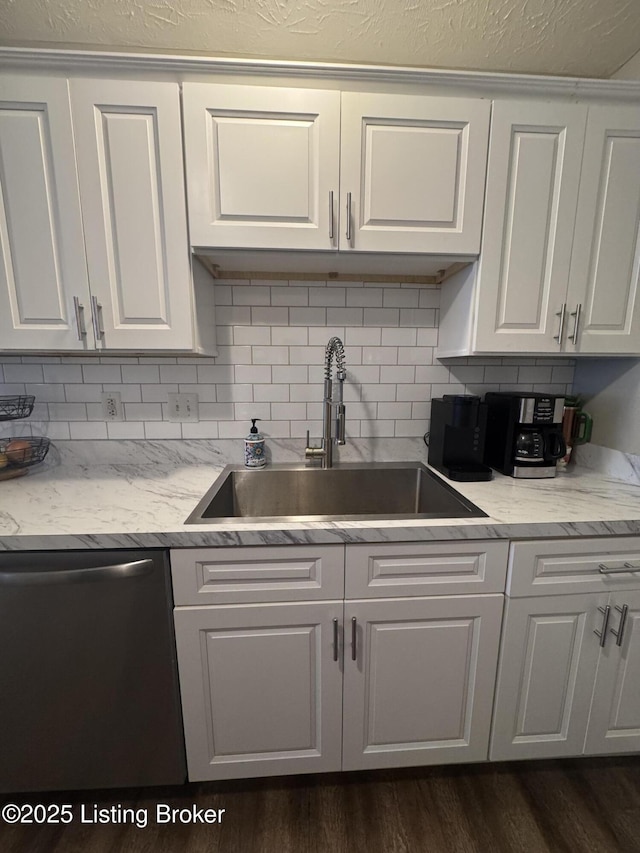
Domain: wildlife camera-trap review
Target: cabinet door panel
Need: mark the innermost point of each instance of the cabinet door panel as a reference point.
(261, 691)
(546, 674)
(41, 240)
(605, 266)
(421, 688)
(415, 169)
(261, 163)
(532, 192)
(129, 153)
(614, 725)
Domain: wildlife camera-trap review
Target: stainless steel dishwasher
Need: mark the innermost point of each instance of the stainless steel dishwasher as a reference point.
(88, 677)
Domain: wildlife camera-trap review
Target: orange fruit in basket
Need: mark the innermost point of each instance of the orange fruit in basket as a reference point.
(18, 451)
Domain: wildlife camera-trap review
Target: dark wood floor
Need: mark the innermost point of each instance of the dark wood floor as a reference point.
(583, 805)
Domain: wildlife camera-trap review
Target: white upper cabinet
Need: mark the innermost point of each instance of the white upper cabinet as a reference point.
(42, 262)
(560, 261)
(262, 166)
(532, 193)
(605, 265)
(129, 155)
(412, 173)
(277, 168)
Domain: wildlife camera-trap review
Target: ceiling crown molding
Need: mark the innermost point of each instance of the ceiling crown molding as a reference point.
(84, 61)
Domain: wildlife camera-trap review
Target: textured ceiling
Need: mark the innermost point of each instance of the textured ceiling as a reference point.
(590, 38)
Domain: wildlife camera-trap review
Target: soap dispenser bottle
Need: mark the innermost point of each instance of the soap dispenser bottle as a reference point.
(254, 454)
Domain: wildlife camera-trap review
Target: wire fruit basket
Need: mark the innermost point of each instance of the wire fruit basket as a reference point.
(12, 408)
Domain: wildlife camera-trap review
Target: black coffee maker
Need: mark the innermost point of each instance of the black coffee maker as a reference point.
(456, 437)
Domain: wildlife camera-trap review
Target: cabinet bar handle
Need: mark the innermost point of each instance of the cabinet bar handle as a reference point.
(335, 639)
(96, 316)
(348, 217)
(612, 570)
(331, 221)
(562, 314)
(605, 624)
(78, 307)
(619, 634)
(354, 637)
(576, 326)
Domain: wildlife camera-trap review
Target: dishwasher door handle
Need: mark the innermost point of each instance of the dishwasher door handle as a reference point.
(67, 576)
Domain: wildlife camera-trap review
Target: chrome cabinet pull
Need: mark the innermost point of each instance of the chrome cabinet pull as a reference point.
(78, 307)
(576, 325)
(613, 570)
(562, 314)
(348, 217)
(335, 639)
(96, 316)
(331, 219)
(605, 624)
(619, 634)
(354, 637)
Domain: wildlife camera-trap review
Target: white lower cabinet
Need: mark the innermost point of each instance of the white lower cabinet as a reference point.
(419, 676)
(568, 677)
(300, 686)
(261, 688)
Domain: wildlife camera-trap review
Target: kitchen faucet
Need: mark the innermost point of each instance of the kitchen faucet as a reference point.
(325, 452)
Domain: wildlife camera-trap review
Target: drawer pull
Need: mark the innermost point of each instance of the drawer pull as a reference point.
(617, 570)
(606, 611)
(619, 634)
(335, 639)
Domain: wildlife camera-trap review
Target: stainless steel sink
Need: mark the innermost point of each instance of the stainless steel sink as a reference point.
(345, 493)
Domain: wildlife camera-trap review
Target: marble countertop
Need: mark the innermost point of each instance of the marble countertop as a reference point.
(141, 497)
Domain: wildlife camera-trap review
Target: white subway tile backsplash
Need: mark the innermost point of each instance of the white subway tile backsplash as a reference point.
(125, 429)
(401, 298)
(270, 355)
(102, 373)
(271, 394)
(140, 373)
(233, 393)
(23, 373)
(273, 316)
(289, 295)
(327, 296)
(158, 393)
(162, 430)
(92, 430)
(364, 297)
(364, 336)
(290, 335)
(272, 337)
(382, 316)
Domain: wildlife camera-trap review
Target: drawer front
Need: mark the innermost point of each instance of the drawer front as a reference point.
(440, 568)
(556, 566)
(261, 574)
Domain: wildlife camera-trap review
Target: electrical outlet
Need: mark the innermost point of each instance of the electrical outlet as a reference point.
(112, 406)
(183, 407)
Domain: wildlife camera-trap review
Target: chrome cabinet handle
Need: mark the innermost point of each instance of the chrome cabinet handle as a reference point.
(562, 314)
(67, 576)
(96, 316)
(576, 325)
(613, 570)
(331, 218)
(335, 639)
(348, 217)
(619, 634)
(354, 637)
(78, 307)
(605, 624)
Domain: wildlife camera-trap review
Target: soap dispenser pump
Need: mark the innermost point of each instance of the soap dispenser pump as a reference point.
(254, 454)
